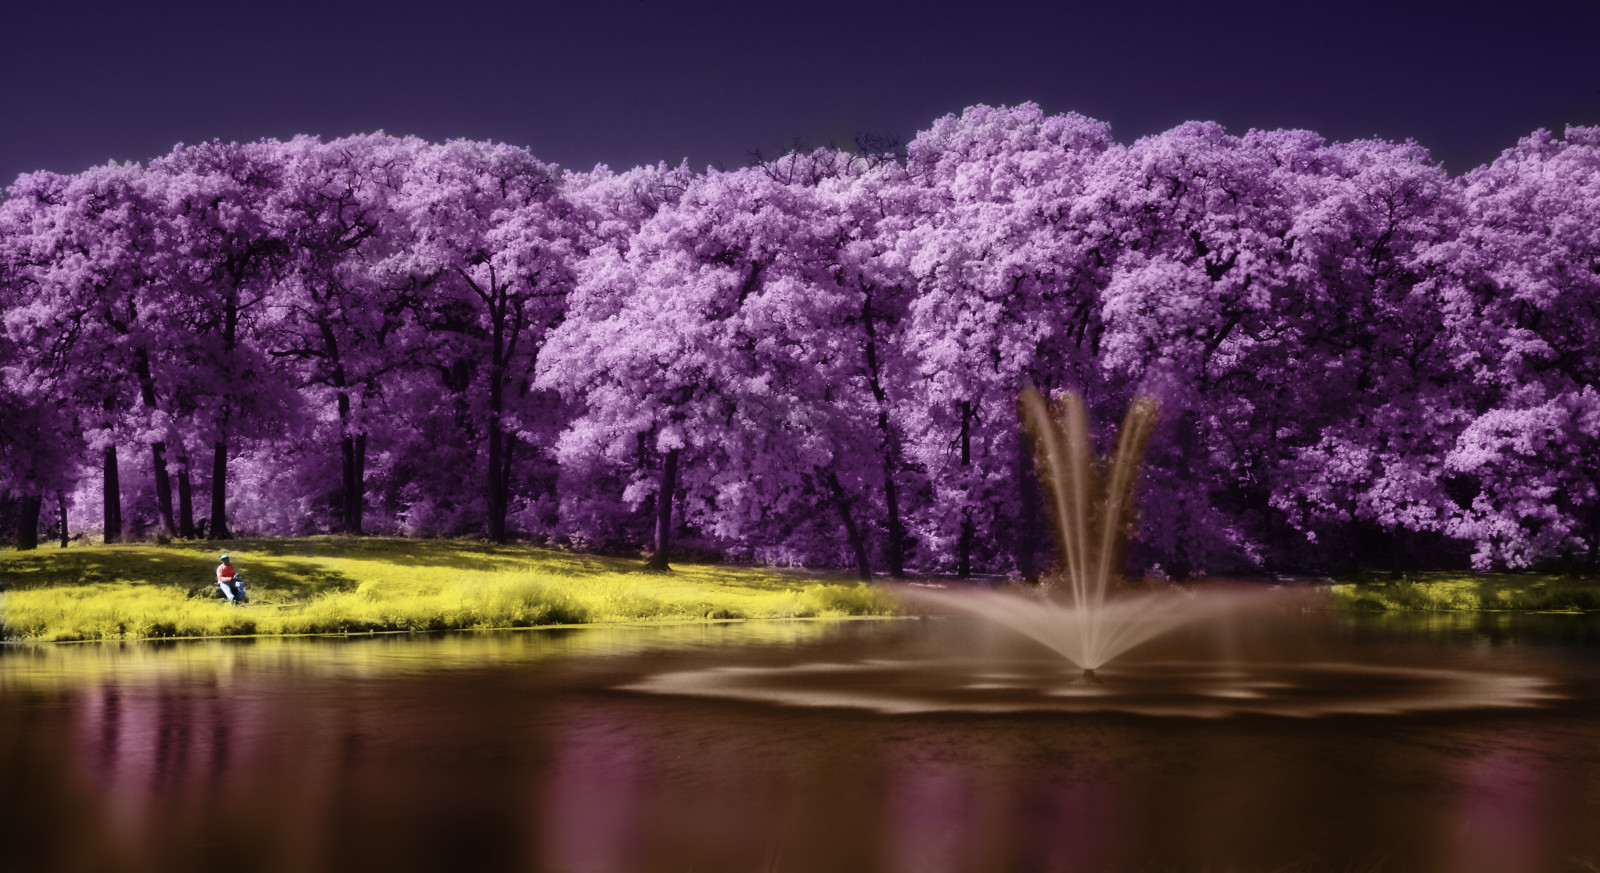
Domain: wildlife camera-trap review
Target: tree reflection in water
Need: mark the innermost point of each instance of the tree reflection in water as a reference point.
(522, 754)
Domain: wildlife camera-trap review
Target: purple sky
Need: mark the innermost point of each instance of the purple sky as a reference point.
(625, 82)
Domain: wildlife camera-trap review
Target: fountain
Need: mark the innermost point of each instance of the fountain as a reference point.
(1081, 610)
(1266, 655)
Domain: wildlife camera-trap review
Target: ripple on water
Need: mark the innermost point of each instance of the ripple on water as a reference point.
(1164, 689)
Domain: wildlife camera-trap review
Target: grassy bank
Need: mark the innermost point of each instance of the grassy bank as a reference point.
(336, 584)
(1466, 591)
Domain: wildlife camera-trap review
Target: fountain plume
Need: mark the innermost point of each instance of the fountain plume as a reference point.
(1092, 510)
(1092, 513)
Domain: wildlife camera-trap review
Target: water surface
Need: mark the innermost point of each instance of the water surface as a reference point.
(574, 750)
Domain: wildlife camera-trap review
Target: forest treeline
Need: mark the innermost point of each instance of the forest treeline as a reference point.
(1360, 359)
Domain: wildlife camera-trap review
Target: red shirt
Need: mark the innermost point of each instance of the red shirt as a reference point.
(225, 572)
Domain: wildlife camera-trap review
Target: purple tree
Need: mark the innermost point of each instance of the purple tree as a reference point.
(496, 238)
(841, 300)
(1195, 225)
(344, 299)
(1523, 314)
(1265, 287)
(91, 251)
(1365, 406)
(612, 207)
(1005, 278)
(816, 359)
(708, 356)
(228, 254)
(39, 444)
(864, 292)
(656, 343)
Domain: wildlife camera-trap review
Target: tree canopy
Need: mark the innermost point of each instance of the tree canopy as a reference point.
(1360, 360)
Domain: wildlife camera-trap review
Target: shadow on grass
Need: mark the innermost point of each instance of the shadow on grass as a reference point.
(465, 555)
(477, 556)
(126, 565)
(190, 568)
(295, 568)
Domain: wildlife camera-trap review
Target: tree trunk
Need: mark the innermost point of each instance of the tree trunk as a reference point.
(509, 441)
(28, 522)
(218, 529)
(352, 446)
(497, 492)
(352, 453)
(358, 506)
(185, 497)
(1026, 542)
(858, 543)
(894, 548)
(669, 484)
(497, 485)
(158, 459)
(964, 546)
(158, 448)
(111, 497)
(61, 506)
(1592, 559)
(350, 493)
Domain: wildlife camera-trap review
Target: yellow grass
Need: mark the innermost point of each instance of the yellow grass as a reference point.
(336, 584)
(1457, 591)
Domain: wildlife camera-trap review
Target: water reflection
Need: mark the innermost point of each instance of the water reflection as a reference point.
(948, 805)
(593, 816)
(521, 752)
(28, 665)
(931, 817)
(1516, 801)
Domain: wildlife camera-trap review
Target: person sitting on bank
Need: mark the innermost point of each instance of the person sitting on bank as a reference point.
(228, 580)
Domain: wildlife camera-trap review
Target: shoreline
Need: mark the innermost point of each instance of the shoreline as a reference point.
(344, 586)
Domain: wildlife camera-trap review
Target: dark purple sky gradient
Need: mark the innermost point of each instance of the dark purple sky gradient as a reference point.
(625, 82)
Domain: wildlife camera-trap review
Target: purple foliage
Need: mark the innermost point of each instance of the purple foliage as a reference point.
(1361, 361)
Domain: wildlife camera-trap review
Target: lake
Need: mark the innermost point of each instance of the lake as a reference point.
(1451, 743)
